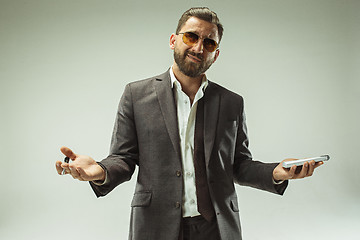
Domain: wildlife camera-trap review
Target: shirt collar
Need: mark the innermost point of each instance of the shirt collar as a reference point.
(174, 81)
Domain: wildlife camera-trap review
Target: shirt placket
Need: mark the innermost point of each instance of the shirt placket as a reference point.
(186, 123)
(191, 201)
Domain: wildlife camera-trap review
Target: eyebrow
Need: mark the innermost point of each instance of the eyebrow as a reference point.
(197, 33)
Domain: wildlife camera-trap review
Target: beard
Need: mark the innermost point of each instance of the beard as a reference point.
(191, 69)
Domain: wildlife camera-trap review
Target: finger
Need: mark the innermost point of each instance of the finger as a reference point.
(292, 172)
(65, 167)
(304, 171)
(58, 167)
(74, 171)
(311, 168)
(318, 164)
(68, 152)
(298, 169)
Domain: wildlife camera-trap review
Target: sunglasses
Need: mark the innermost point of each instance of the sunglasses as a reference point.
(190, 39)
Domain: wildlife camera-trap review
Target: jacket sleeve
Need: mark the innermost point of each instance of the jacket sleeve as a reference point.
(124, 156)
(248, 172)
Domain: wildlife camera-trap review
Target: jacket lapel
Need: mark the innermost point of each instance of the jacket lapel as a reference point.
(211, 114)
(166, 99)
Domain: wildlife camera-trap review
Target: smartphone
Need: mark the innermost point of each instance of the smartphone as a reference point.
(67, 159)
(300, 162)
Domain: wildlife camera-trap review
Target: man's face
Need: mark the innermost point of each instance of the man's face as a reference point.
(194, 60)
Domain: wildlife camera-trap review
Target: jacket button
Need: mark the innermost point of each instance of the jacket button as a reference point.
(177, 205)
(178, 173)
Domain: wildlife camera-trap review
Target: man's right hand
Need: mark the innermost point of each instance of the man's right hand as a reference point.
(82, 167)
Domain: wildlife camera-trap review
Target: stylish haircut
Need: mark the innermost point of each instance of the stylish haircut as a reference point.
(202, 13)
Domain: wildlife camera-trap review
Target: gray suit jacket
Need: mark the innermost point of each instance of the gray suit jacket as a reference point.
(146, 134)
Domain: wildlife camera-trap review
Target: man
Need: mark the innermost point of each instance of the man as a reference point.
(188, 137)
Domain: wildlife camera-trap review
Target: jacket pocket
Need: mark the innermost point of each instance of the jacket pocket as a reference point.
(141, 199)
(234, 205)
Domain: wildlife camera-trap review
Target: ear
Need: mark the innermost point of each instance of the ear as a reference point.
(172, 41)
(217, 52)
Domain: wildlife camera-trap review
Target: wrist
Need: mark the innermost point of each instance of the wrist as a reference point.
(276, 176)
(102, 172)
(277, 182)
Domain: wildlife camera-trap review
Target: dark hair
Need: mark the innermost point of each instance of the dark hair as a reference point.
(202, 13)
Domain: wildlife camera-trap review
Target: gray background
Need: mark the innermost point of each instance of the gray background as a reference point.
(63, 68)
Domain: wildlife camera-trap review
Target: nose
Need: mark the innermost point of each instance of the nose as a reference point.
(198, 47)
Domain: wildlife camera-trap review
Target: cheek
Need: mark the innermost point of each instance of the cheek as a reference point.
(210, 58)
(176, 46)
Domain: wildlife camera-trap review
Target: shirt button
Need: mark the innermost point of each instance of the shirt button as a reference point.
(178, 173)
(177, 205)
(189, 174)
(192, 201)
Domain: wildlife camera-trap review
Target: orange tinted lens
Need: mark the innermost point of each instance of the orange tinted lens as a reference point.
(210, 45)
(190, 38)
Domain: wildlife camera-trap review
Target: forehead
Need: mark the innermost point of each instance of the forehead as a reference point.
(201, 27)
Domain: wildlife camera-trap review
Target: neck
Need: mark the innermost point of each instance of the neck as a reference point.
(189, 85)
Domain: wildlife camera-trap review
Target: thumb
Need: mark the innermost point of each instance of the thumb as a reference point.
(68, 152)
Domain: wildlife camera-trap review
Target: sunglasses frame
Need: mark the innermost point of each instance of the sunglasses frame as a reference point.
(183, 33)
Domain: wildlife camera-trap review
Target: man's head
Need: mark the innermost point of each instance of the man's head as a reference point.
(195, 43)
(202, 13)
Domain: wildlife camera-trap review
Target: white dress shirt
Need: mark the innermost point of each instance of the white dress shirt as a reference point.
(186, 114)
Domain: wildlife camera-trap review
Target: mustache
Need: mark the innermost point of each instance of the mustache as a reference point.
(198, 55)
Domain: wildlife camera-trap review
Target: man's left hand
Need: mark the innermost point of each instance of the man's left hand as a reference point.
(281, 174)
